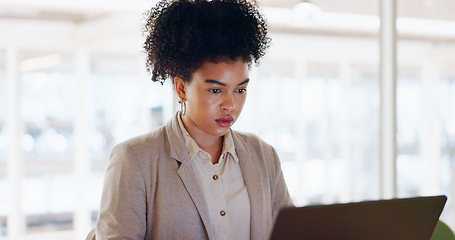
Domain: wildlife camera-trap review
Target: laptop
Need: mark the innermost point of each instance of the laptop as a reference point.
(395, 219)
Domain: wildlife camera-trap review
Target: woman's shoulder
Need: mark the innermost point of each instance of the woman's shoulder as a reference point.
(150, 140)
(246, 135)
(249, 139)
(256, 149)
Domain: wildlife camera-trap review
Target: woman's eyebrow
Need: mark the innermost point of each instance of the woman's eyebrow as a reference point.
(223, 84)
(244, 82)
(215, 82)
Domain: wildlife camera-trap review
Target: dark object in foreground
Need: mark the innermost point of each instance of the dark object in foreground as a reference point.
(400, 219)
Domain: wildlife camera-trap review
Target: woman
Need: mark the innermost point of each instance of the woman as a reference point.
(195, 178)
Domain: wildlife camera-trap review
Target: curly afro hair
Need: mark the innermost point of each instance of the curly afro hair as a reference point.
(183, 34)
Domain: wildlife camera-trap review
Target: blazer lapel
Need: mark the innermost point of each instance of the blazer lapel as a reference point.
(187, 173)
(252, 178)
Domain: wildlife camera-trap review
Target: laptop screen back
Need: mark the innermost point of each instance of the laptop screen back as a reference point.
(400, 219)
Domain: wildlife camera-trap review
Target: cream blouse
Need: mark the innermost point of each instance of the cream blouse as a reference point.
(223, 187)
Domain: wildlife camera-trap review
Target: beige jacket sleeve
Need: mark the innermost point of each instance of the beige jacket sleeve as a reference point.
(123, 208)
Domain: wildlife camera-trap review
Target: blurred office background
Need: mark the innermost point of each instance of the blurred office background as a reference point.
(73, 84)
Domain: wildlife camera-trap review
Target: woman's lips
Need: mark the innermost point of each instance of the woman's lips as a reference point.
(225, 121)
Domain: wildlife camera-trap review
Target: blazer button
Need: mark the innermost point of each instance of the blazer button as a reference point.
(222, 213)
(215, 177)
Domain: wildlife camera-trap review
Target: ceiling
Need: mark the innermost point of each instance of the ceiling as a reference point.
(85, 10)
(434, 9)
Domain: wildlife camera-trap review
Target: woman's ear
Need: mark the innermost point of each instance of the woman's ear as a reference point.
(180, 87)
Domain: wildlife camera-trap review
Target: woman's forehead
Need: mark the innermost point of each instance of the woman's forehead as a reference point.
(222, 71)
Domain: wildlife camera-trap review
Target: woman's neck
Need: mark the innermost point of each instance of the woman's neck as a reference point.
(211, 144)
(214, 149)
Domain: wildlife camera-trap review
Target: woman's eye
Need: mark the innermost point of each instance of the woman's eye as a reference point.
(215, 90)
(241, 90)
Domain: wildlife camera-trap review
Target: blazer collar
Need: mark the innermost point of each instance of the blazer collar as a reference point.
(176, 140)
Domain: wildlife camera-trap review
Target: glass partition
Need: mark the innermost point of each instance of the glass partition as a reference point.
(315, 97)
(425, 101)
(3, 145)
(321, 113)
(47, 111)
(3, 110)
(48, 108)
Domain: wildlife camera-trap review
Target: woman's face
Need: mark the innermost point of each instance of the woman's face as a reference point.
(214, 98)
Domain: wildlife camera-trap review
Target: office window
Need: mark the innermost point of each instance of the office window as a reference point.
(3, 145)
(425, 102)
(47, 109)
(321, 113)
(48, 121)
(123, 101)
(116, 101)
(446, 168)
(318, 102)
(409, 163)
(3, 112)
(315, 97)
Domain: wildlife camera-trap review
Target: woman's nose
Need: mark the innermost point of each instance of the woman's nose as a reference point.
(228, 103)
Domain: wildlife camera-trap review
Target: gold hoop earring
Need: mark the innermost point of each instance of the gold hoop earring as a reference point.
(182, 107)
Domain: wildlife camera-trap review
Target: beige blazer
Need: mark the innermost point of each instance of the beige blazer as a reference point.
(150, 192)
